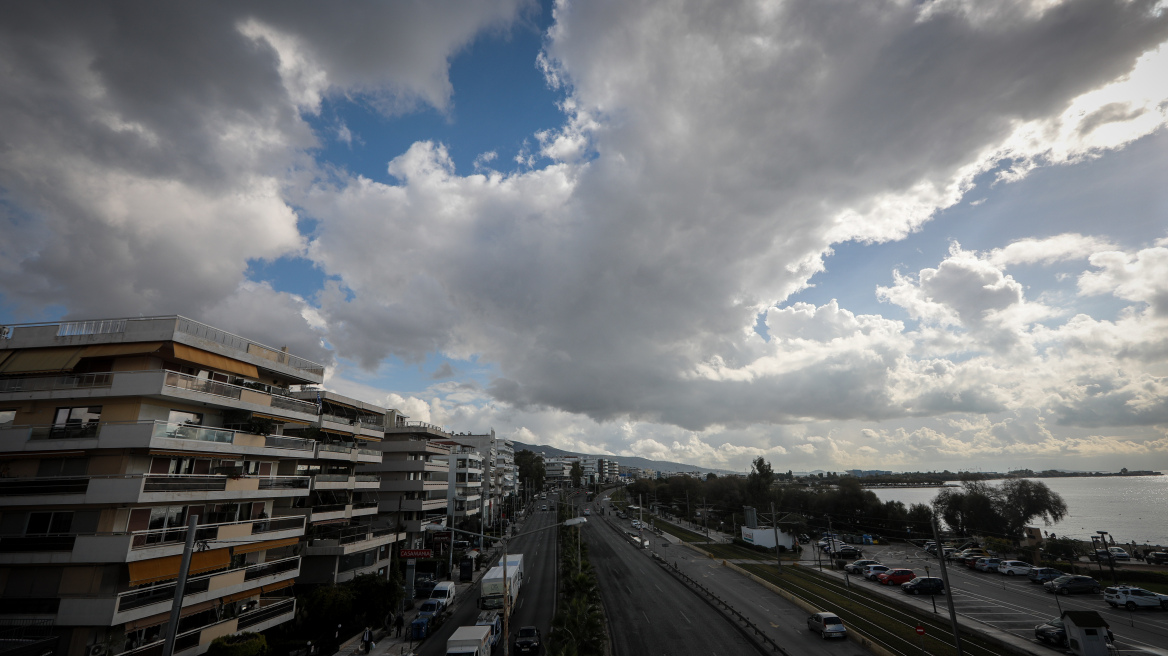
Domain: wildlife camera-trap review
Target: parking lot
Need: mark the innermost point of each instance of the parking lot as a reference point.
(1015, 605)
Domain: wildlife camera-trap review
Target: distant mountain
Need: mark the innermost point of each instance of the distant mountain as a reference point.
(626, 461)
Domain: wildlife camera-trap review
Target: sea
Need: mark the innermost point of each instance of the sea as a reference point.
(1130, 508)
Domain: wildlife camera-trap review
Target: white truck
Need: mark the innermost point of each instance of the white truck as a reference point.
(491, 594)
(470, 641)
(493, 619)
(514, 561)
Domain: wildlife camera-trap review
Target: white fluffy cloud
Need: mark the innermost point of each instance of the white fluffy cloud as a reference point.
(710, 157)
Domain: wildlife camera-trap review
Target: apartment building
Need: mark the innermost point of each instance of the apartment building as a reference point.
(344, 537)
(499, 474)
(113, 433)
(464, 484)
(412, 491)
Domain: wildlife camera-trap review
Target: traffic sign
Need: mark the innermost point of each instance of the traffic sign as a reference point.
(417, 553)
(920, 630)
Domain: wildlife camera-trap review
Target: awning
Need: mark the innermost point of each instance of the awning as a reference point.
(214, 361)
(163, 569)
(264, 546)
(44, 360)
(110, 350)
(336, 432)
(240, 595)
(4, 356)
(278, 586)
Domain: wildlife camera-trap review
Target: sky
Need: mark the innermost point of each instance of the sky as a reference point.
(906, 235)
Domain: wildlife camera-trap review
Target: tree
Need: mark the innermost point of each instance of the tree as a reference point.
(240, 644)
(577, 473)
(531, 468)
(758, 483)
(980, 508)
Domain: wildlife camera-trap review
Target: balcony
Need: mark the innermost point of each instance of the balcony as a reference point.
(391, 485)
(150, 435)
(419, 428)
(366, 482)
(154, 383)
(346, 453)
(417, 505)
(139, 545)
(137, 604)
(146, 488)
(350, 539)
(196, 641)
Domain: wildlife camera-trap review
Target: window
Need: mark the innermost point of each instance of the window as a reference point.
(51, 467)
(7, 417)
(44, 523)
(180, 417)
(78, 416)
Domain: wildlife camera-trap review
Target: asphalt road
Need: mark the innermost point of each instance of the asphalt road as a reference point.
(650, 613)
(1015, 605)
(536, 602)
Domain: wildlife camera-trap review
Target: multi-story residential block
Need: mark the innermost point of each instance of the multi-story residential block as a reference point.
(499, 471)
(344, 537)
(112, 434)
(464, 483)
(413, 488)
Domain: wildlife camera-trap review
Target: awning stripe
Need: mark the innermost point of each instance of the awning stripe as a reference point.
(263, 546)
(164, 569)
(240, 595)
(278, 586)
(29, 361)
(215, 361)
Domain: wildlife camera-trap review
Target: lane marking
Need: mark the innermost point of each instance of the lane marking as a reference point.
(683, 615)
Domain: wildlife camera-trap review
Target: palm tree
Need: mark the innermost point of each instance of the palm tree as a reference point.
(582, 620)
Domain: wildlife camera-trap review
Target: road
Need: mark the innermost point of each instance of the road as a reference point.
(536, 602)
(1015, 605)
(649, 612)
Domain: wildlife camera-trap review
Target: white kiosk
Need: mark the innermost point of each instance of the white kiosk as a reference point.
(1086, 633)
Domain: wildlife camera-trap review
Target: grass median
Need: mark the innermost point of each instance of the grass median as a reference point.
(880, 620)
(683, 534)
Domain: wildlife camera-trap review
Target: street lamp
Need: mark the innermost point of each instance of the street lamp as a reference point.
(506, 591)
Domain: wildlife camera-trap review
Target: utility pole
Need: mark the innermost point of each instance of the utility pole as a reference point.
(775, 525)
(831, 541)
(948, 590)
(180, 587)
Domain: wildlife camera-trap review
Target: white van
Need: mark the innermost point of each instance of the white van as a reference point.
(444, 593)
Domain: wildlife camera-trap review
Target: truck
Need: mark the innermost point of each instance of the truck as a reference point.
(493, 619)
(491, 596)
(514, 561)
(469, 641)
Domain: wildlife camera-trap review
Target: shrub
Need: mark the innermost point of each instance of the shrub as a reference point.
(240, 644)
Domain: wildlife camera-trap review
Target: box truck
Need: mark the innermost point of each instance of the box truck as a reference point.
(491, 594)
(469, 641)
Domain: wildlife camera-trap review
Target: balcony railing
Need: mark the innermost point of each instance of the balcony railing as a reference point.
(193, 432)
(336, 448)
(361, 505)
(184, 483)
(423, 424)
(369, 452)
(192, 637)
(36, 486)
(265, 613)
(284, 482)
(293, 443)
(378, 427)
(332, 478)
(197, 329)
(327, 508)
(368, 478)
(146, 596)
(51, 383)
(214, 387)
(155, 537)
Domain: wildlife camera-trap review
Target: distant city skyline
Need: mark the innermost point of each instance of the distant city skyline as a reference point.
(900, 236)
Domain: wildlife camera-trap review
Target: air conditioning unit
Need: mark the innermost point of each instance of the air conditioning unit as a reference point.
(96, 650)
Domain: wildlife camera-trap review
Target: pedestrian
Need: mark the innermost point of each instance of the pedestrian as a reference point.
(399, 623)
(367, 640)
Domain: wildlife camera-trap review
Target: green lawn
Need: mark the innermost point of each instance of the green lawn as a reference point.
(685, 535)
(874, 617)
(735, 551)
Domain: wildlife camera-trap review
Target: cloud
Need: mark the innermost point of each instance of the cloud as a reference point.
(1141, 277)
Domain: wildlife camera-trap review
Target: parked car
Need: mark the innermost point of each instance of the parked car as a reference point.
(896, 576)
(847, 552)
(988, 565)
(1118, 553)
(1014, 567)
(1133, 598)
(1101, 555)
(423, 586)
(872, 571)
(827, 625)
(1052, 632)
(1156, 558)
(528, 642)
(929, 585)
(858, 566)
(971, 555)
(1073, 584)
(1043, 574)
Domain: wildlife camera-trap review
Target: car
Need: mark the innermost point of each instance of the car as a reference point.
(587, 512)
(528, 641)
(929, 585)
(827, 625)
(1014, 567)
(1102, 555)
(896, 576)
(430, 608)
(423, 586)
(1156, 558)
(949, 551)
(872, 571)
(1118, 553)
(971, 555)
(847, 552)
(1043, 574)
(1133, 598)
(1072, 584)
(543, 507)
(1054, 632)
(858, 566)
(987, 564)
